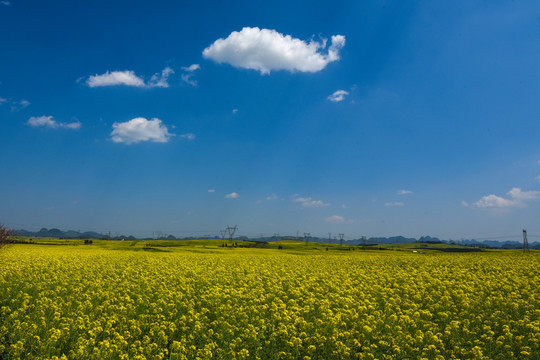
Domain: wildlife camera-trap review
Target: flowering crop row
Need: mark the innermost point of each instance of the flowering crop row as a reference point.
(86, 303)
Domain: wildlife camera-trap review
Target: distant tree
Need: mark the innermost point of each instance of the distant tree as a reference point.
(5, 234)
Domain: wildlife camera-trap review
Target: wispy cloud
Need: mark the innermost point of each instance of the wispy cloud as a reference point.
(309, 202)
(336, 219)
(404, 192)
(338, 96)
(272, 197)
(129, 78)
(232, 195)
(188, 136)
(140, 129)
(191, 68)
(516, 198)
(189, 73)
(394, 203)
(18, 105)
(6, 3)
(211, 190)
(160, 79)
(266, 50)
(48, 121)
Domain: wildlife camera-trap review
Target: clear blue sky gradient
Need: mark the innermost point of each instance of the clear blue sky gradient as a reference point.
(443, 102)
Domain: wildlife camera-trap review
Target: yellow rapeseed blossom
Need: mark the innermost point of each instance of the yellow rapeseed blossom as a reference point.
(91, 303)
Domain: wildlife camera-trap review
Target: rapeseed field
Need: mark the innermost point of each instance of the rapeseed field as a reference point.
(85, 302)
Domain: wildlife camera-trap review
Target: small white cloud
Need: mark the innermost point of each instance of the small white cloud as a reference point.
(404, 192)
(140, 129)
(335, 219)
(338, 96)
(395, 203)
(309, 202)
(211, 190)
(188, 76)
(518, 198)
(234, 111)
(160, 79)
(19, 105)
(129, 78)
(265, 50)
(191, 68)
(538, 178)
(2, 100)
(517, 194)
(232, 195)
(272, 197)
(48, 121)
(464, 203)
(6, 3)
(188, 136)
(113, 78)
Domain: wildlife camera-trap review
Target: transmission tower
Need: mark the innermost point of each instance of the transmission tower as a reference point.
(363, 242)
(525, 241)
(306, 237)
(222, 233)
(231, 230)
(276, 237)
(329, 237)
(341, 236)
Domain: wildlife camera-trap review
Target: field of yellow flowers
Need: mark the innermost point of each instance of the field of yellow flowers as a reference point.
(80, 302)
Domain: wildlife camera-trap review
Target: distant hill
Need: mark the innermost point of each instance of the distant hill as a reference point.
(72, 234)
(57, 233)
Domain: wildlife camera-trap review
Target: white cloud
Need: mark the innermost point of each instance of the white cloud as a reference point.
(6, 3)
(129, 78)
(160, 79)
(464, 203)
(48, 121)
(211, 190)
(538, 178)
(404, 192)
(338, 96)
(188, 136)
(19, 105)
(140, 129)
(187, 77)
(309, 202)
(234, 111)
(395, 203)
(2, 100)
(517, 198)
(126, 77)
(191, 68)
(335, 219)
(265, 50)
(272, 197)
(232, 195)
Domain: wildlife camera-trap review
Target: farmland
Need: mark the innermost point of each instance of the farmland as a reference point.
(188, 300)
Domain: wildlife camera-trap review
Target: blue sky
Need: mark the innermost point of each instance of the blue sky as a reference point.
(374, 118)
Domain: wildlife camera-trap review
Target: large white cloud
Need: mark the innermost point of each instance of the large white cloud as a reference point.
(48, 121)
(517, 198)
(266, 50)
(140, 129)
(129, 78)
